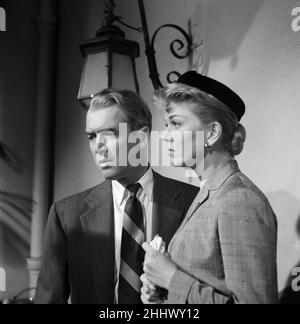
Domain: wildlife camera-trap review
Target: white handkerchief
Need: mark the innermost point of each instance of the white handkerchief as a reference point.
(158, 244)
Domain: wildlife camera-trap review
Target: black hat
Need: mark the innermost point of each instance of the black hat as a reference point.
(216, 89)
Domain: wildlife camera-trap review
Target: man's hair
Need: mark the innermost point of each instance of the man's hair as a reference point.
(130, 103)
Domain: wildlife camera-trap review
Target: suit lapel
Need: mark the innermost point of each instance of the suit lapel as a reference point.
(199, 200)
(98, 226)
(168, 210)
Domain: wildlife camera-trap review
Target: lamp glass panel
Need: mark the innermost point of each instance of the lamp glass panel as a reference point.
(95, 75)
(123, 73)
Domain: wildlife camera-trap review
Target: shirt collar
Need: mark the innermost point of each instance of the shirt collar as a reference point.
(146, 181)
(118, 191)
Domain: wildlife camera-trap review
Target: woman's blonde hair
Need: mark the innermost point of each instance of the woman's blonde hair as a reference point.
(208, 109)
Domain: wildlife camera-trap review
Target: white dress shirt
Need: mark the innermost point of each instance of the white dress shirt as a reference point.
(120, 197)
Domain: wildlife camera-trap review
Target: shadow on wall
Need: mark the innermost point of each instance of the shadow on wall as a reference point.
(287, 207)
(291, 293)
(223, 26)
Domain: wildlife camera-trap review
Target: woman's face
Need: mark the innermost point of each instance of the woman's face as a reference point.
(184, 136)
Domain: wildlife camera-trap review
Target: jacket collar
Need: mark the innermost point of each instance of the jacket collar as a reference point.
(103, 192)
(221, 175)
(146, 182)
(213, 183)
(99, 194)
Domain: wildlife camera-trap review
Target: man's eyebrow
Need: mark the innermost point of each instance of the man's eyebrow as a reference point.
(114, 130)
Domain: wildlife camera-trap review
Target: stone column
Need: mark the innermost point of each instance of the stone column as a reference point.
(44, 134)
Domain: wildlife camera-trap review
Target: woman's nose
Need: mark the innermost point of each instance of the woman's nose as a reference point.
(166, 136)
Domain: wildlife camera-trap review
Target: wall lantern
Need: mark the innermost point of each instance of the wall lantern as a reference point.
(109, 58)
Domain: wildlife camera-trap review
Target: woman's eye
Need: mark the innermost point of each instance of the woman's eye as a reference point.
(176, 125)
(173, 124)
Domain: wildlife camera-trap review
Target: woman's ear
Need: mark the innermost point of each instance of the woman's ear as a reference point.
(214, 134)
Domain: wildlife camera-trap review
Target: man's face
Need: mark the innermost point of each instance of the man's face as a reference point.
(106, 143)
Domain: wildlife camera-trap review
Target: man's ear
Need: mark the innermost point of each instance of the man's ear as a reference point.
(146, 130)
(146, 135)
(141, 136)
(214, 134)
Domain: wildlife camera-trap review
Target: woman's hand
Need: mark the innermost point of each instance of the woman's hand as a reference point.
(158, 267)
(150, 294)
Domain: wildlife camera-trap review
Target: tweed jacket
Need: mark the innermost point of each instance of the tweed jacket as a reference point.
(226, 246)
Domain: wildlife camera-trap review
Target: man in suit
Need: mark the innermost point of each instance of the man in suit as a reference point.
(88, 254)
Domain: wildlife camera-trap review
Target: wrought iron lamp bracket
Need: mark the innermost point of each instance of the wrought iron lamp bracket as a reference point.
(176, 46)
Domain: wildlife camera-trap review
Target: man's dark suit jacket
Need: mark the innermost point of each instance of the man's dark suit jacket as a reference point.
(79, 252)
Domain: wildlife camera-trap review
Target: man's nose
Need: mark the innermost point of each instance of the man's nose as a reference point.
(100, 141)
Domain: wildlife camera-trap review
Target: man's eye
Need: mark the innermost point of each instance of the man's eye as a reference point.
(109, 134)
(91, 137)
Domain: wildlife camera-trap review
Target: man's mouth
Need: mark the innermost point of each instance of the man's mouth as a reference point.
(103, 158)
(105, 165)
(104, 162)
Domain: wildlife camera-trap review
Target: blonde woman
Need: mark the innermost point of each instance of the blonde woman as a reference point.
(225, 249)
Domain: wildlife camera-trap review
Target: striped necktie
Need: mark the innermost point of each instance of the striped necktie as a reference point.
(132, 254)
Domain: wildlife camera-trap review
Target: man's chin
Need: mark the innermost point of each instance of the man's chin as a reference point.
(110, 173)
